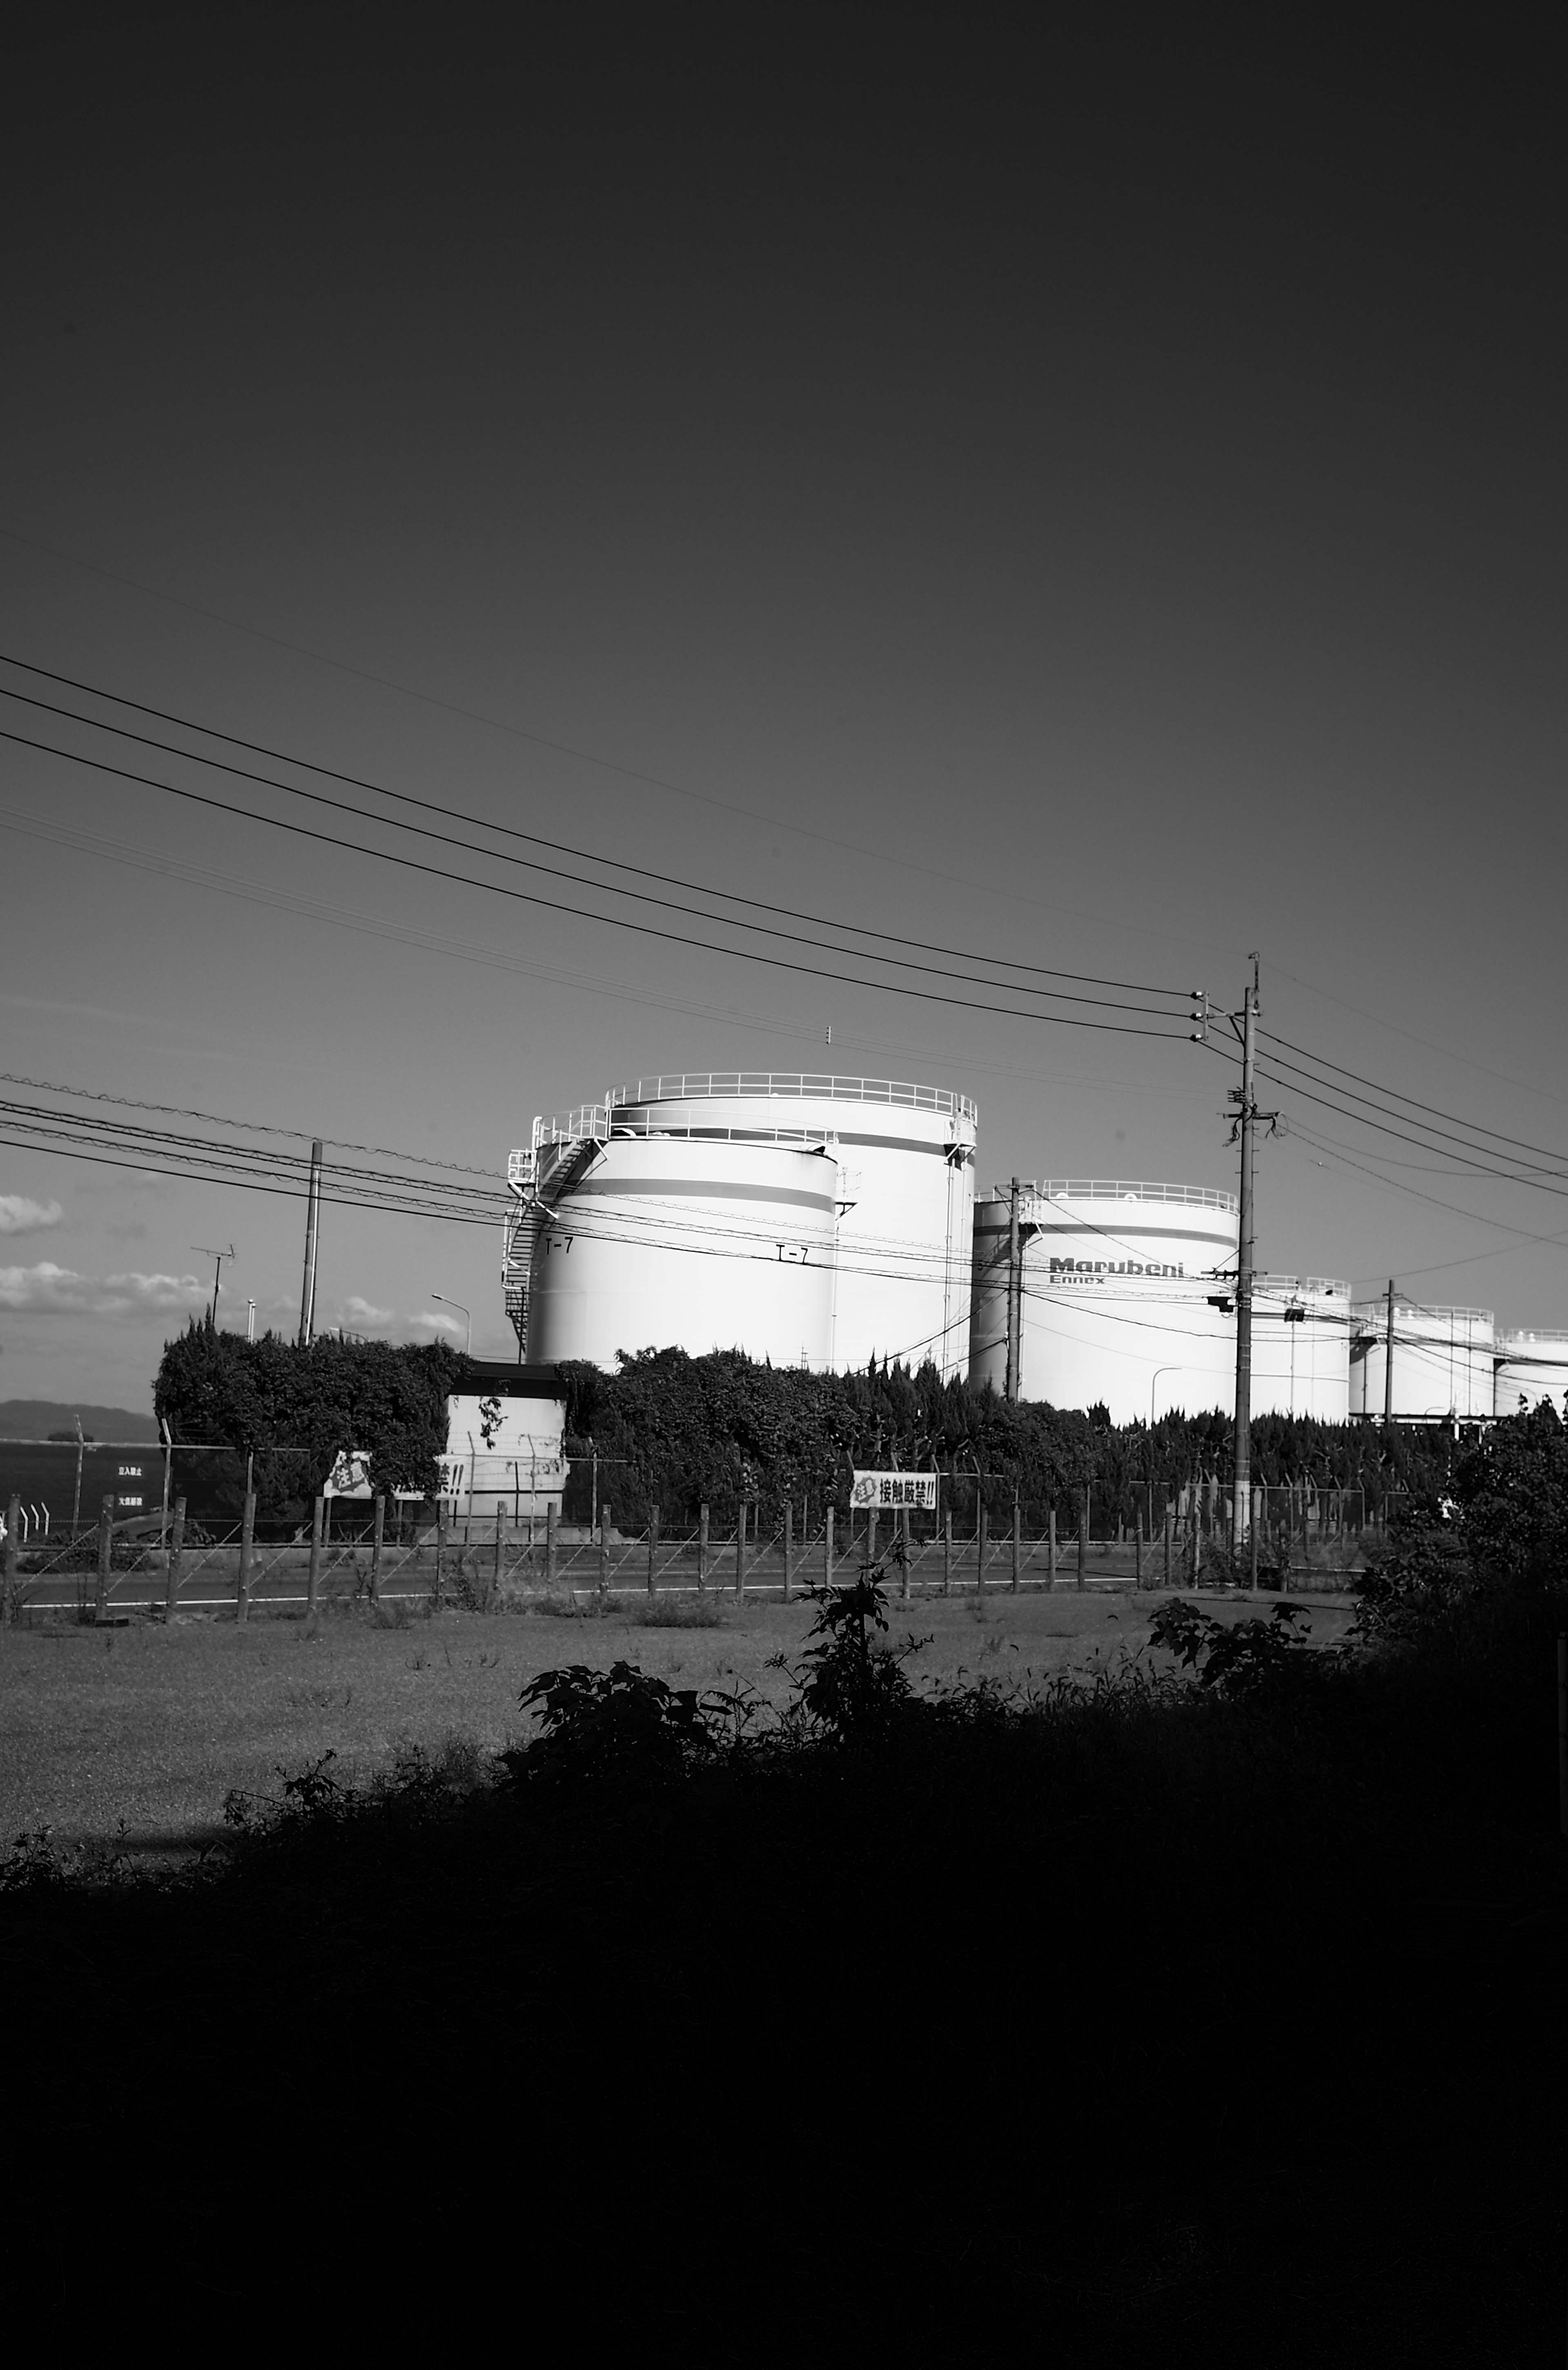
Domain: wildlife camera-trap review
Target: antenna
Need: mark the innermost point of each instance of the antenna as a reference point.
(217, 1276)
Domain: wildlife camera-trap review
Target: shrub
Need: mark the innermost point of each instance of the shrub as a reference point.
(614, 1723)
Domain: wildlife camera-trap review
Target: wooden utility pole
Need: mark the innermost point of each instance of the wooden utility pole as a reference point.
(13, 1543)
(313, 1569)
(312, 1217)
(176, 1550)
(105, 1553)
(1015, 1294)
(247, 1538)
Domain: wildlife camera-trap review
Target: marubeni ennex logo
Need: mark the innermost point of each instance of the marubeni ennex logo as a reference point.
(1070, 1270)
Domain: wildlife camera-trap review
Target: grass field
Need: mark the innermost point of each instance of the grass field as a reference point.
(153, 1726)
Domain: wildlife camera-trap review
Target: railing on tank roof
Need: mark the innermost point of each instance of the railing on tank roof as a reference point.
(694, 1085)
(1539, 1334)
(1328, 1287)
(1379, 1308)
(1120, 1189)
(589, 1121)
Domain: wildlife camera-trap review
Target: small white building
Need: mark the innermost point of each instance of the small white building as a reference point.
(505, 1445)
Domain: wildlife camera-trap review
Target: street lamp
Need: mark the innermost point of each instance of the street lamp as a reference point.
(1157, 1371)
(469, 1338)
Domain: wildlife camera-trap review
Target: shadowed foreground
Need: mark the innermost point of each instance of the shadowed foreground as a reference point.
(1147, 2028)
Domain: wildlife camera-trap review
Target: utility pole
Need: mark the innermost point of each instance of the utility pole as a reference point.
(312, 1217)
(1242, 1506)
(1243, 1125)
(1389, 1364)
(217, 1276)
(1015, 1295)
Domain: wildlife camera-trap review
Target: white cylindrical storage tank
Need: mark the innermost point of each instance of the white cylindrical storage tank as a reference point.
(1301, 1347)
(1531, 1368)
(905, 1197)
(1443, 1362)
(1119, 1285)
(648, 1241)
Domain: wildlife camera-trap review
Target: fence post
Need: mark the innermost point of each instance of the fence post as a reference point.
(947, 1553)
(701, 1550)
(377, 1535)
(740, 1549)
(176, 1550)
(1137, 1547)
(499, 1552)
(1016, 1545)
(440, 1555)
(1083, 1542)
(653, 1551)
(604, 1550)
(980, 1548)
(13, 1526)
(903, 1569)
(870, 1536)
(788, 1549)
(104, 1550)
(1051, 1552)
(549, 1543)
(247, 1534)
(827, 1548)
(313, 1569)
(1256, 1511)
(1168, 1544)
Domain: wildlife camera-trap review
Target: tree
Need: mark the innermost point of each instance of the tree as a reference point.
(294, 1410)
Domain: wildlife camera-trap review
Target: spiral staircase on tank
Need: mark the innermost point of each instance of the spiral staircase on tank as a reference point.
(539, 1176)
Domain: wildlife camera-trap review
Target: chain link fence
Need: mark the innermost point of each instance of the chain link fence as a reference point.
(210, 1547)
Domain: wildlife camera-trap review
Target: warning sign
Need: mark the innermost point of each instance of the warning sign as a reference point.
(880, 1490)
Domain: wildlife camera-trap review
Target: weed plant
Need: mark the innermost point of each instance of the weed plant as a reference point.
(1202, 2009)
(695, 1612)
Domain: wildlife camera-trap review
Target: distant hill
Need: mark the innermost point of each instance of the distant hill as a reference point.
(36, 1419)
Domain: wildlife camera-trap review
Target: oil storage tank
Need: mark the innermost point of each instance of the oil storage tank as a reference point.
(1531, 1368)
(680, 1189)
(1443, 1361)
(1302, 1346)
(1127, 1295)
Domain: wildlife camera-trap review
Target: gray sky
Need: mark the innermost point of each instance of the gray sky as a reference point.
(1099, 508)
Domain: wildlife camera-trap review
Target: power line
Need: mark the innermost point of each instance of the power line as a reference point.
(609, 921)
(1423, 1143)
(508, 831)
(554, 871)
(252, 1126)
(1463, 1143)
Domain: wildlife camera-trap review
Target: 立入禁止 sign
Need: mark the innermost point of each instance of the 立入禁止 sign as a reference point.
(880, 1490)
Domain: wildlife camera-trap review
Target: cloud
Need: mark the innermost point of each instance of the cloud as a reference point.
(20, 1217)
(61, 1292)
(443, 1324)
(358, 1313)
